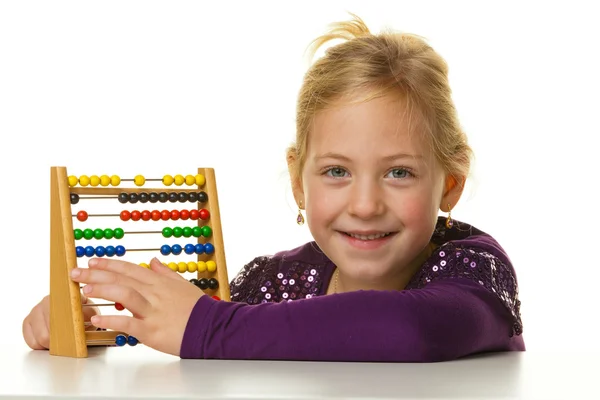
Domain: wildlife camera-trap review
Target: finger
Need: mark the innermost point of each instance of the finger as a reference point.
(30, 337)
(89, 276)
(121, 323)
(130, 298)
(124, 268)
(163, 270)
(88, 312)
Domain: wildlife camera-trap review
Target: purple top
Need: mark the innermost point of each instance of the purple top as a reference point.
(463, 301)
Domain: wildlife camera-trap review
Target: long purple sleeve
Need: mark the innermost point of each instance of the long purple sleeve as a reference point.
(445, 320)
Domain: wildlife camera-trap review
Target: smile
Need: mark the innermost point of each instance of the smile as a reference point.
(368, 237)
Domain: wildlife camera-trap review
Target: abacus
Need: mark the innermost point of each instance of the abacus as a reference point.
(69, 334)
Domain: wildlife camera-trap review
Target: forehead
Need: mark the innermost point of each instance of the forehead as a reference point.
(385, 124)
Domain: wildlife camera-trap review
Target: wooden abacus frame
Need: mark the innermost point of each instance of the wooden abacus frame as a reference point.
(68, 336)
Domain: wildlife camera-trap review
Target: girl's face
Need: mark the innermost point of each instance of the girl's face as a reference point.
(372, 191)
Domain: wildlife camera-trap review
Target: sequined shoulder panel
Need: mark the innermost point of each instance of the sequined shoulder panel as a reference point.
(269, 279)
(452, 262)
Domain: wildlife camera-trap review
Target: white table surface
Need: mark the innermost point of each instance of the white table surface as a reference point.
(140, 372)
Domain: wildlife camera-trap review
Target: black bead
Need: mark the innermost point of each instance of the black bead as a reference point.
(203, 283)
(202, 197)
(144, 197)
(192, 197)
(133, 198)
(183, 197)
(194, 281)
(123, 198)
(163, 197)
(153, 197)
(173, 197)
(74, 198)
(213, 283)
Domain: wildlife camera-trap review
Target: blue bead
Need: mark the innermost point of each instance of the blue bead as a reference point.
(89, 251)
(209, 248)
(189, 248)
(132, 341)
(176, 249)
(100, 251)
(120, 340)
(120, 251)
(79, 251)
(165, 250)
(110, 251)
(199, 248)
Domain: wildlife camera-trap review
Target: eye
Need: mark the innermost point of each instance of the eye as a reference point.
(400, 173)
(336, 172)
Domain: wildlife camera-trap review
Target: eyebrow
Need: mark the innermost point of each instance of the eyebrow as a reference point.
(387, 158)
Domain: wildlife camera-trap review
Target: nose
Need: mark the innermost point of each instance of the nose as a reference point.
(366, 201)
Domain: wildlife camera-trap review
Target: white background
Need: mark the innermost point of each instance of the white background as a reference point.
(128, 87)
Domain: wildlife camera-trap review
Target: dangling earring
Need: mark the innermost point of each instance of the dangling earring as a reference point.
(449, 221)
(300, 218)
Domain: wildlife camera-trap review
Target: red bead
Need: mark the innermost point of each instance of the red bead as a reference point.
(175, 214)
(82, 216)
(194, 214)
(119, 306)
(155, 215)
(184, 214)
(146, 215)
(136, 215)
(165, 215)
(204, 214)
(125, 215)
(216, 297)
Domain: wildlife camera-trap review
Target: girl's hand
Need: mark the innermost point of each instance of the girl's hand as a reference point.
(36, 326)
(160, 300)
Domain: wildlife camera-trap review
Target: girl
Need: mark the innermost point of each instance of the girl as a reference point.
(378, 152)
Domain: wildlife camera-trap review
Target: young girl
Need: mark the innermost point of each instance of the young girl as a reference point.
(379, 150)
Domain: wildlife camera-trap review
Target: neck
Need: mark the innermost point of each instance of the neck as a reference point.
(341, 282)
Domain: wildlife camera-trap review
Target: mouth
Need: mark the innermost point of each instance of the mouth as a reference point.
(369, 236)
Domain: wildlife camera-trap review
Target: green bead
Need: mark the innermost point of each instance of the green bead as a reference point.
(78, 234)
(187, 231)
(109, 233)
(206, 231)
(197, 231)
(98, 234)
(88, 234)
(177, 232)
(167, 232)
(119, 233)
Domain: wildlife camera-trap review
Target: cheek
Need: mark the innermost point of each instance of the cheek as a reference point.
(417, 209)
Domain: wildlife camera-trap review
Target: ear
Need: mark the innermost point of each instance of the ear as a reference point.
(295, 177)
(453, 189)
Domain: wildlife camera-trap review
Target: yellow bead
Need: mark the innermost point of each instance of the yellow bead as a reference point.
(73, 180)
(190, 180)
(200, 180)
(211, 266)
(173, 266)
(84, 180)
(182, 267)
(139, 180)
(94, 180)
(179, 179)
(192, 266)
(144, 265)
(168, 180)
(201, 266)
(115, 180)
(105, 180)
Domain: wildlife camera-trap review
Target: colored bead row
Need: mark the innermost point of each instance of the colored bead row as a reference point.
(164, 215)
(100, 251)
(191, 266)
(187, 231)
(190, 248)
(138, 180)
(163, 197)
(204, 283)
(89, 234)
(122, 340)
(94, 180)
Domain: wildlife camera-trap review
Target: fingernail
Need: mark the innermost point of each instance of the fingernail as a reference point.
(75, 272)
(87, 289)
(94, 319)
(93, 262)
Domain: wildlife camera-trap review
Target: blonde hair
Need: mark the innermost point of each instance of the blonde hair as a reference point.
(400, 63)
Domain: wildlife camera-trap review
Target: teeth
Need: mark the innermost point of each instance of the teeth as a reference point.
(368, 237)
